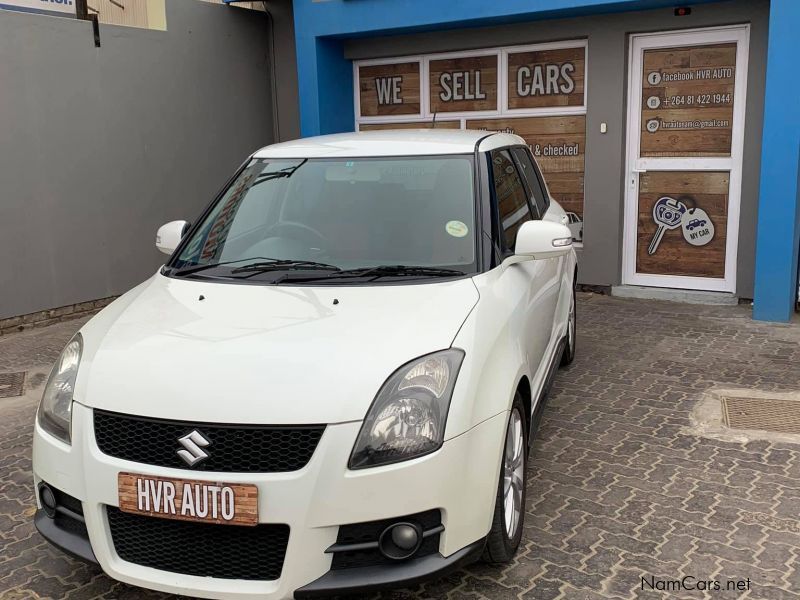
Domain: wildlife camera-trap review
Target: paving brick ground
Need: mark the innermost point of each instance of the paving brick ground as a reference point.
(619, 486)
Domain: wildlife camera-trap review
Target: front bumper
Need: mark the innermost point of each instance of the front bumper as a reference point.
(460, 480)
(364, 579)
(74, 543)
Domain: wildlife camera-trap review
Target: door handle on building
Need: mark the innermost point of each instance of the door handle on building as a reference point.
(634, 173)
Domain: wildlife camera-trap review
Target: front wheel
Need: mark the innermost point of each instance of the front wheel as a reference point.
(509, 509)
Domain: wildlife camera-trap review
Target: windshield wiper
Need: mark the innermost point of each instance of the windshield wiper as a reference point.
(265, 265)
(401, 270)
(262, 265)
(279, 265)
(377, 272)
(195, 268)
(287, 172)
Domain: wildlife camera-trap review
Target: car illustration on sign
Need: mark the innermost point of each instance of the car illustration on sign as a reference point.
(332, 384)
(694, 223)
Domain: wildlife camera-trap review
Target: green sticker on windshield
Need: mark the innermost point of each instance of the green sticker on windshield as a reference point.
(456, 228)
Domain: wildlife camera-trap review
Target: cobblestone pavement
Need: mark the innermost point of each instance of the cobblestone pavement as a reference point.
(619, 487)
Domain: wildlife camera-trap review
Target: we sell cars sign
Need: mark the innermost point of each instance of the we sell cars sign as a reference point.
(60, 7)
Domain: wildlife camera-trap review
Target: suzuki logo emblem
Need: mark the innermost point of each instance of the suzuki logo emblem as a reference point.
(192, 451)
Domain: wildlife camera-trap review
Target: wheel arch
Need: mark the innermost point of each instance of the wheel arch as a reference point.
(524, 389)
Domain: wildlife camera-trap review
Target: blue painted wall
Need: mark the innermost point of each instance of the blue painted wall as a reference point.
(779, 205)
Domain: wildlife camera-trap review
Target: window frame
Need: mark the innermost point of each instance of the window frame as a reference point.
(542, 182)
(540, 210)
(498, 230)
(189, 233)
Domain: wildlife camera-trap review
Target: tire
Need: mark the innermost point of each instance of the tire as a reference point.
(506, 532)
(572, 329)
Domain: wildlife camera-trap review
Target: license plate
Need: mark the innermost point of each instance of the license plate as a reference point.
(188, 499)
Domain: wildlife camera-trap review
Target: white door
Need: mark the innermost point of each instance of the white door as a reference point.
(530, 286)
(686, 106)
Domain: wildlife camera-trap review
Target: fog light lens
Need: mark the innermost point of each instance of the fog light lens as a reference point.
(400, 541)
(404, 537)
(48, 500)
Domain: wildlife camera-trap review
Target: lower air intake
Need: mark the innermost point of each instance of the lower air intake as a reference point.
(200, 549)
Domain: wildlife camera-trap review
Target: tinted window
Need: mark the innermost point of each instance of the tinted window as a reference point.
(542, 185)
(511, 197)
(538, 197)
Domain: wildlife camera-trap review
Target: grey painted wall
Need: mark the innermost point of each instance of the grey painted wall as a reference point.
(287, 104)
(100, 146)
(601, 259)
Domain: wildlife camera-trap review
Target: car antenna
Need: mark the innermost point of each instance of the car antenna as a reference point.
(433, 123)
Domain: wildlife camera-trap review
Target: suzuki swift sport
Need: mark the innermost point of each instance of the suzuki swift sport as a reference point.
(332, 384)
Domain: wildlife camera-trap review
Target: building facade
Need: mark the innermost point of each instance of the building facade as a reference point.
(669, 133)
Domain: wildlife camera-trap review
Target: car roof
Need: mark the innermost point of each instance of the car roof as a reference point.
(391, 142)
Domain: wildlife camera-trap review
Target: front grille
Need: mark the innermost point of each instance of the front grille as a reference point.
(233, 448)
(200, 549)
(370, 531)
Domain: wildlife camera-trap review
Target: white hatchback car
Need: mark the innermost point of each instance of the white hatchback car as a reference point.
(575, 224)
(330, 385)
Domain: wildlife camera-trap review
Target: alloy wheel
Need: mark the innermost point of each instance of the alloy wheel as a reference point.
(513, 473)
(572, 322)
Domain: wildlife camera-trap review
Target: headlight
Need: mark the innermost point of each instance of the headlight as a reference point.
(407, 417)
(55, 409)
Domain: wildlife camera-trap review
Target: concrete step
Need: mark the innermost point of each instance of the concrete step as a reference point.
(674, 295)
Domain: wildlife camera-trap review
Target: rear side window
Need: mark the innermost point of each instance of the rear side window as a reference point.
(538, 196)
(512, 201)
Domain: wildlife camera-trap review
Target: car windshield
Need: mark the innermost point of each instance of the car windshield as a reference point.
(340, 215)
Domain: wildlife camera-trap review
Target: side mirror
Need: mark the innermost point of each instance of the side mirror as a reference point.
(169, 236)
(542, 239)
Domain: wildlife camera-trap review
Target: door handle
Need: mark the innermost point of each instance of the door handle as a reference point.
(639, 170)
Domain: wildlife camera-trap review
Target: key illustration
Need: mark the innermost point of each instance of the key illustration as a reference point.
(667, 214)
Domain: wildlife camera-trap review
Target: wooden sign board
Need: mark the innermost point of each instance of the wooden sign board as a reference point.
(687, 101)
(413, 125)
(546, 78)
(559, 145)
(704, 196)
(463, 84)
(388, 90)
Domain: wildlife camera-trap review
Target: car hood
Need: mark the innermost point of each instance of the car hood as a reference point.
(218, 352)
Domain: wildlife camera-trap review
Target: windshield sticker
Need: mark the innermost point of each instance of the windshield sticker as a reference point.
(456, 228)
